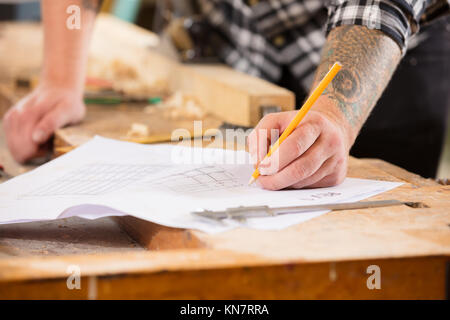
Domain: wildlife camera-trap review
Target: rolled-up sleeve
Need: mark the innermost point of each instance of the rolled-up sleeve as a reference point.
(399, 19)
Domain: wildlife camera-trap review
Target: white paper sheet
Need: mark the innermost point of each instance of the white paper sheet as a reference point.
(159, 183)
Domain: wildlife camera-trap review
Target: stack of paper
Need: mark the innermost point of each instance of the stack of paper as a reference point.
(162, 184)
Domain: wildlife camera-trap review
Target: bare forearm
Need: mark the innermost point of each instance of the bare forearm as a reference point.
(369, 59)
(66, 50)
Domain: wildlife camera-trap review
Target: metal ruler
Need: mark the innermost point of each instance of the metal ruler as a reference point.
(243, 212)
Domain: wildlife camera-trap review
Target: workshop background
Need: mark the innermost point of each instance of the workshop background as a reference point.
(174, 21)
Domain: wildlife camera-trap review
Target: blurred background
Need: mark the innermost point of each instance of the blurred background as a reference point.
(176, 22)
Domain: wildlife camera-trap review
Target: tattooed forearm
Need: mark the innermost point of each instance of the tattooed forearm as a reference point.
(368, 59)
(93, 5)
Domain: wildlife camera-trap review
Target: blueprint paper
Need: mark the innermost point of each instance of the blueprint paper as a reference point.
(162, 184)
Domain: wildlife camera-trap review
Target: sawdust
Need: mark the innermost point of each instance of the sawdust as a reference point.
(126, 78)
(179, 106)
(138, 130)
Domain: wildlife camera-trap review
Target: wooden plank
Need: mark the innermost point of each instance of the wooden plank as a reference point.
(235, 97)
(153, 236)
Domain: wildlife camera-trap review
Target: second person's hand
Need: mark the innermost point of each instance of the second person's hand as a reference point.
(33, 120)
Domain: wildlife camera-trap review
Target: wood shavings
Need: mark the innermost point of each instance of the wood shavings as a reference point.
(112, 70)
(180, 106)
(138, 130)
(126, 78)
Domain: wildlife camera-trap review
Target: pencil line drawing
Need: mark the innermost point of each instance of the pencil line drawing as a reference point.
(94, 179)
(202, 179)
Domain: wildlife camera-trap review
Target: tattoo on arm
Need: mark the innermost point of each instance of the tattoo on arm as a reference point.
(93, 5)
(368, 58)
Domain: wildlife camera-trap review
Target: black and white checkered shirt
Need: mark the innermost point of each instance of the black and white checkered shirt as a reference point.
(259, 37)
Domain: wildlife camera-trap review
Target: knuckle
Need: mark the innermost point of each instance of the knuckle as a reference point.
(252, 139)
(298, 148)
(340, 178)
(337, 177)
(20, 154)
(306, 135)
(300, 170)
(343, 173)
(12, 112)
(19, 158)
(261, 134)
(333, 180)
(268, 184)
(306, 129)
(80, 113)
(10, 121)
(320, 121)
(313, 129)
(334, 141)
(7, 117)
(340, 163)
(50, 124)
(268, 118)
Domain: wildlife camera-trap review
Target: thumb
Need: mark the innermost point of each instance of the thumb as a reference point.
(47, 125)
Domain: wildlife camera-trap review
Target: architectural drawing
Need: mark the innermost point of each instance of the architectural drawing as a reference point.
(202, 179)
(94, 179)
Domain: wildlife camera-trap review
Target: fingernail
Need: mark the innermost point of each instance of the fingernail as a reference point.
(38, 136)
(263, 171)
(19, 106)
(265, 163)
(253, 158)
(266, 168)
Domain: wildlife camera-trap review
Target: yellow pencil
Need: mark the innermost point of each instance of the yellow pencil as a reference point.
(301, 113)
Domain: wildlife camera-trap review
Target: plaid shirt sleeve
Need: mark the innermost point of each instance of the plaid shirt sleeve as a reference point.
(399, 19)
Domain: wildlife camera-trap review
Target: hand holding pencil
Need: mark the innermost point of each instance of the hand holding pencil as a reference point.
(311, 151)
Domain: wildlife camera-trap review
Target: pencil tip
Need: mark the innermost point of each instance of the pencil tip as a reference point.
(251, 180)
